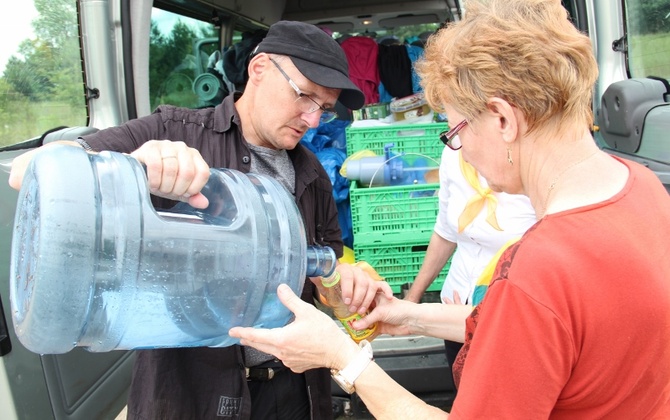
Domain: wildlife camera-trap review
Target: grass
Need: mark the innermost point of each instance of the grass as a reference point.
(22, 120)
(649, 55)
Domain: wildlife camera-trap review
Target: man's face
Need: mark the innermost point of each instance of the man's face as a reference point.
(286, 112)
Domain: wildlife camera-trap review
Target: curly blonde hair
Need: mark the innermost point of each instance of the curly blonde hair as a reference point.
(526, 52)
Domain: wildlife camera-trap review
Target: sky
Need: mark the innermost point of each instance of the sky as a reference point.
(16, 23)
(17, 20)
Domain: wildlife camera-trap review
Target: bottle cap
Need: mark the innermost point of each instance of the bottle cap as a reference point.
(331, 280)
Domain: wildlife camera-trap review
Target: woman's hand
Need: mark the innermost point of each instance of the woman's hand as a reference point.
(456, 301)
(311, 341)
(391, 315)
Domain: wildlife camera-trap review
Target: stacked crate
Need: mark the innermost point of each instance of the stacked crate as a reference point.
(392, 225)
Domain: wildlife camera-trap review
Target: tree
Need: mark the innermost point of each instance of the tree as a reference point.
(47, 60)
(649, 16)
(173, 63)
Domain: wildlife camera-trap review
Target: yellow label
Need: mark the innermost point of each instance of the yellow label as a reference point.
(357, 335)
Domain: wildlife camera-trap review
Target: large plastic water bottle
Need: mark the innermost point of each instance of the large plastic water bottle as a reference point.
(95, 265)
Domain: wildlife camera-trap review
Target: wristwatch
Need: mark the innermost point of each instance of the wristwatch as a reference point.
(346, 377)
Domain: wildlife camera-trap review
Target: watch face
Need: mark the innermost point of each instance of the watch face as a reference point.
(343, 383)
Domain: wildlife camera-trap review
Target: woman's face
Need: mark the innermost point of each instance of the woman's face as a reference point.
(484, 148)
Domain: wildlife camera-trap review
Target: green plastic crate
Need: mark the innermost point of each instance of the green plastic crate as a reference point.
(422, 139)
(398, 263)
(405, 212)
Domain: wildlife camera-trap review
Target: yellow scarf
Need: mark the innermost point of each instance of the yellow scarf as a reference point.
(485, 278)
(476, 203)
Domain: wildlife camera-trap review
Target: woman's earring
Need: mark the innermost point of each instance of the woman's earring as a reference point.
(509, 156)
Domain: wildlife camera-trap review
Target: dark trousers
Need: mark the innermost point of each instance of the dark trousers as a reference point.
(451, 348)
(284, 397)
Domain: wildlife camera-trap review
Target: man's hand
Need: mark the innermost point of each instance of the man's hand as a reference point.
(360, 285)
(174, 171)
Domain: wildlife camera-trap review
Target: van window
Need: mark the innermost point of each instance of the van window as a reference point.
(648, 37)
(41, 83)
(183, 53)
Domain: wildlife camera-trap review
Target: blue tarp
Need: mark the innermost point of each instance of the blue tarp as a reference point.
(329, 144)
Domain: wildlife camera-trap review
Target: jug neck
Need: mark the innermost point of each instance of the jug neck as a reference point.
(321, 261)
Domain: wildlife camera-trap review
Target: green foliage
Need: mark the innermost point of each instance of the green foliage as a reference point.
(49, 55)
(32, 76)
(42, 86)
(648, 16)
(174, 63)
(57, 21)
(405, 33)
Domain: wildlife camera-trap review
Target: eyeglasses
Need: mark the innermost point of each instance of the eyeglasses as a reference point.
(449, 138)
(305, 102)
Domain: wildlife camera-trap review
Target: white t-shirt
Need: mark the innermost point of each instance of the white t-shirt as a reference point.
(479, 241)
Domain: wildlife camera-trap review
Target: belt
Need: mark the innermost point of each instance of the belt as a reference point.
(260, 374)
(265, 371)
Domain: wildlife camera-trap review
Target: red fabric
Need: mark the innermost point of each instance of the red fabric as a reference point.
(577, 321)
(362, 55)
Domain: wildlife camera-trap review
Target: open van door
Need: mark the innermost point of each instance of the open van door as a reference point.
(43, 98)
(632, 45)
(71, 67)
(74, 385)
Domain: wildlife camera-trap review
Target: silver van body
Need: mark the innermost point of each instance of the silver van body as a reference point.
(113, 40)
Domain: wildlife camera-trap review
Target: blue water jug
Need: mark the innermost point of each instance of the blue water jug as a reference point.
(94, 265)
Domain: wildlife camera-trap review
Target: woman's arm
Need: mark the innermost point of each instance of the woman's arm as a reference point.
(401, 317)
(314, 340)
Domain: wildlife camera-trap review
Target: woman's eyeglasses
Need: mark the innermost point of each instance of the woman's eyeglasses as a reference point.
(450, 138)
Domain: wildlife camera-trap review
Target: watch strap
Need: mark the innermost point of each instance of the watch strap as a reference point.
(347, 376)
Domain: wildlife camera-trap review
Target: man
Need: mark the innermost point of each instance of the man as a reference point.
(296, 76)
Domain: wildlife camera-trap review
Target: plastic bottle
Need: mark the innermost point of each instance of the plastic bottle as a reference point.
(389, 170)
(94, 265)
(332, 292)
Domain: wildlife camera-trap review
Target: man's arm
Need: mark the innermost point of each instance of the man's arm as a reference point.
(21, 162)
(174, 170)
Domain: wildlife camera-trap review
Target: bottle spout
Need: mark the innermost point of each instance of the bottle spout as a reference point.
(321, 261)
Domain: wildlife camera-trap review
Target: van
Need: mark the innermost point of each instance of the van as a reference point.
(71, 67)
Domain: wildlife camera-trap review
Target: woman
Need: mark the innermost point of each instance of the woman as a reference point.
(583, 295)
(473, 224)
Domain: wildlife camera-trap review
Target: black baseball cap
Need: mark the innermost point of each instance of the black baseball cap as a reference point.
(316, 55)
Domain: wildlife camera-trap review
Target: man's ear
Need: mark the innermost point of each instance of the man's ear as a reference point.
(257, 67)
(506, 117)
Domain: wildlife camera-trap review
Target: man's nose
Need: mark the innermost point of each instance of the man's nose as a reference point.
(312, 119)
